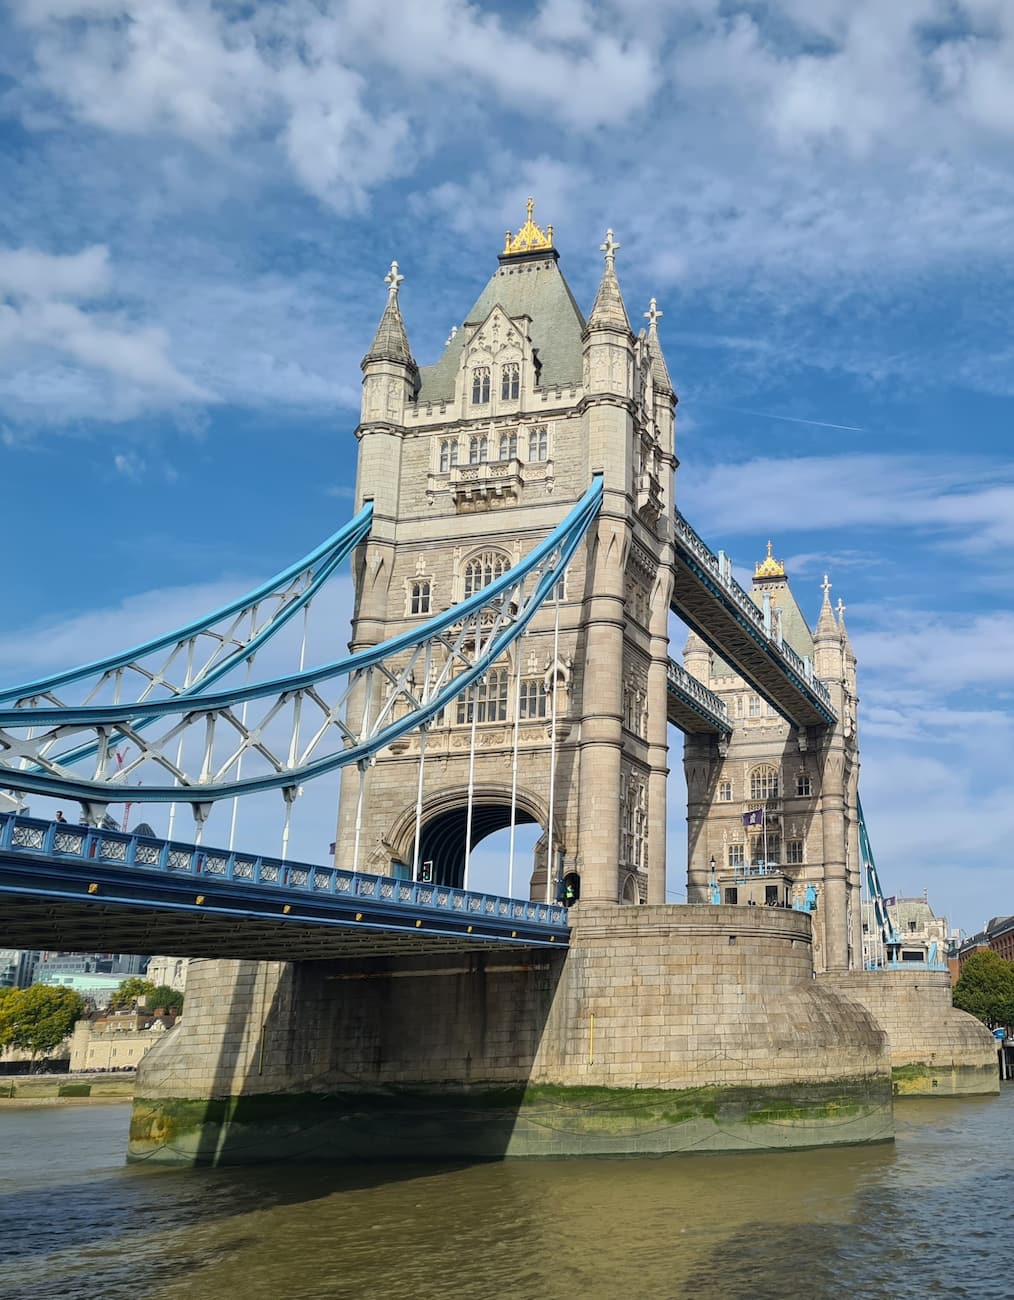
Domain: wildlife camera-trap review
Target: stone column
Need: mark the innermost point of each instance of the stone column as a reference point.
(658, 732)
(835, 899)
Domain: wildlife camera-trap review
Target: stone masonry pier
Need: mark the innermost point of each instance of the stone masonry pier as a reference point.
(662, 1029)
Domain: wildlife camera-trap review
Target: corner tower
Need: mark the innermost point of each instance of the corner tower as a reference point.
(470, 463)
(776, 817)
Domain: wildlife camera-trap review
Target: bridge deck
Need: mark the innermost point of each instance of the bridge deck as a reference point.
(710, 601)
(81, 889)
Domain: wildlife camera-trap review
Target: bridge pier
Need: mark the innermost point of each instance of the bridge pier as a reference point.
(935, 1049)
(662, 1029)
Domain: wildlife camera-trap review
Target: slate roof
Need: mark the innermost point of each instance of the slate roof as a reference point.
(532, 287)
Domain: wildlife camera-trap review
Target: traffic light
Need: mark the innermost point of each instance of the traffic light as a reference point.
(571, 888)
(426, 872)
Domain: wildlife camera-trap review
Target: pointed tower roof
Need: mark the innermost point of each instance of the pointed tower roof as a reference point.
(827, 626)
(659, 370)
(608, 311)
(390, 343)
(769, 576)
(845, 639)
(527, 283)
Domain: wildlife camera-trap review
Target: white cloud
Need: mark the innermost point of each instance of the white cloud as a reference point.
(40, 331)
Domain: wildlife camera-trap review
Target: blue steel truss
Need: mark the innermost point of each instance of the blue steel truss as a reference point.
(389, 690)
(81, 867)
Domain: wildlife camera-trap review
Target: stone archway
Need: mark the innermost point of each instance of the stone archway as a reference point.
(444, 825)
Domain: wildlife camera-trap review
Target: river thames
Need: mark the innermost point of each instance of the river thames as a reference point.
(931, 1215)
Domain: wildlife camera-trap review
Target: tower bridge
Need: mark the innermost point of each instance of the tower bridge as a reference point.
(516, 554)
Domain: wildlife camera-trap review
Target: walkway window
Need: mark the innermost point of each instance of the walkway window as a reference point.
(794, 852)
(509, 445)
(420, 603)
(538, 442)
(725, 792)
(764, 783)
(448, 454)
(736, 855)
(482, 570)
(480, 385)
(478, 449)
(510, 384)
(534, 700)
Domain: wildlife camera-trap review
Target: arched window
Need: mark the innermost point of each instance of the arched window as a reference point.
(533, 701)
(480, 385)
(481, 570)
(764, 783)
(448, 454)
(538, 442)
(509, 445)
(420, 601)
(510, 381)
(478, 449)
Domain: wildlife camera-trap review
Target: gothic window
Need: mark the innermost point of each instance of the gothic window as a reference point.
(488, 697)
(448, 454)
(538, 442)
(803, 785)
(478, 449)
(773, 847)
(420, 602)
(481, 570)
(764, 783)
(510, 384)
(509, 445)
(480, 385)
(794, 852)
(736, 857)
(754, 708)
(739, 706)
(534, 698)
(634, 821)
(725, 792)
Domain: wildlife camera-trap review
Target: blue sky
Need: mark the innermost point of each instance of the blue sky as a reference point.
(199, 204)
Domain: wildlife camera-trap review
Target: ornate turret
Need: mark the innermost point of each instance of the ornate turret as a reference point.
(608, 310)
(769, 568)
(530, 239)
(390, 343)
(697, 658)
(827, 647)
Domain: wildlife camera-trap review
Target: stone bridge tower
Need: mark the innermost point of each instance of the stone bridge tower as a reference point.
(469, 464)
(804, 783)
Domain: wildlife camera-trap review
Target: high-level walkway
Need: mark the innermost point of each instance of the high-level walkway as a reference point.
(710, 601)
(82, 889)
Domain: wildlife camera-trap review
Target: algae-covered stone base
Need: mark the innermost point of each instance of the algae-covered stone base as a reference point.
(539, 1120)
(926, 1079)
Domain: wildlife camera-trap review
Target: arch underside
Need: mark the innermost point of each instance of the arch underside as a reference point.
(442, 841)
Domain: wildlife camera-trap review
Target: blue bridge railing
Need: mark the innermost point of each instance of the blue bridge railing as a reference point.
(37, 838)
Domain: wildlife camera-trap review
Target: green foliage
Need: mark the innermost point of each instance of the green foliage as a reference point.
(131, 991)
(169, 999)
(38, 1019)
(986, 988)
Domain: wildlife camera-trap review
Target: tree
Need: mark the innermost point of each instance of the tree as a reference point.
(39, 1018)
(986, 988)
(166, 997)
(131, 991)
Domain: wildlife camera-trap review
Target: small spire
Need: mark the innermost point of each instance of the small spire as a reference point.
(390, 343)
(659, 370)
(608, 308)
(826, 625)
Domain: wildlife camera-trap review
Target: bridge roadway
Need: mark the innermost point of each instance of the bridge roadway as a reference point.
(709, 600)
(82, 889)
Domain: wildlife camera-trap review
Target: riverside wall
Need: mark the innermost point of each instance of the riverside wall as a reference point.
(661, 1029)
(936, 1050)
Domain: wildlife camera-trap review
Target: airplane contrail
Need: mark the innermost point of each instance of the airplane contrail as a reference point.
(795, 419)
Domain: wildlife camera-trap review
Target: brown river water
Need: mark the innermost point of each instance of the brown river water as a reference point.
(930, 1216)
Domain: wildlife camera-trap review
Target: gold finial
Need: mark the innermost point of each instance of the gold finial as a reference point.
(769, 568)
(529, 238)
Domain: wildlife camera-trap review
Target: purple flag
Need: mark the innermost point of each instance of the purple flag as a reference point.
(754, 818)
